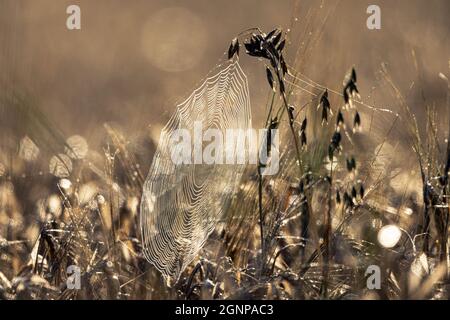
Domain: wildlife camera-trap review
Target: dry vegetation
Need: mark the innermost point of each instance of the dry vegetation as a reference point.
(310, 232)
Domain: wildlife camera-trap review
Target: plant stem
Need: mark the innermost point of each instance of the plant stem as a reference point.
(261, 219)
(326, 238)
(291, 122)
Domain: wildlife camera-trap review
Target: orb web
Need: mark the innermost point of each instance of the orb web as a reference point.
(182, 203)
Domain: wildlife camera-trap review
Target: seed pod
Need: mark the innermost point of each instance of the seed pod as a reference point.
(301, 187)
(273, 62)
(353, 77)
(361, 191)
(324, 115)
(280, 47)
(291, 114)
(304, 123)
(350, 88)
(324, 100)
(351, 164)
(354, 193)
(325, 103)
(338, 197)
(308, 177)
(270, 34)
(276, 39)
(273, 123)
(340, 118)
(357, 121)
(348, 202)
(336, 139)
(303, 138)
(234, 48)
(346, 97)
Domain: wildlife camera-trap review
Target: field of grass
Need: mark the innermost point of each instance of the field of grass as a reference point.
(361, 187)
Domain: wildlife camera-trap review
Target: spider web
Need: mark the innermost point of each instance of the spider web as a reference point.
(181, 204)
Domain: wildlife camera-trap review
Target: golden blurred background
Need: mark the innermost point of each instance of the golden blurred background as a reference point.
(81, 110)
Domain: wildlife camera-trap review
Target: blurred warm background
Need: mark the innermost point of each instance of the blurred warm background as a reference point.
(131, 62)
